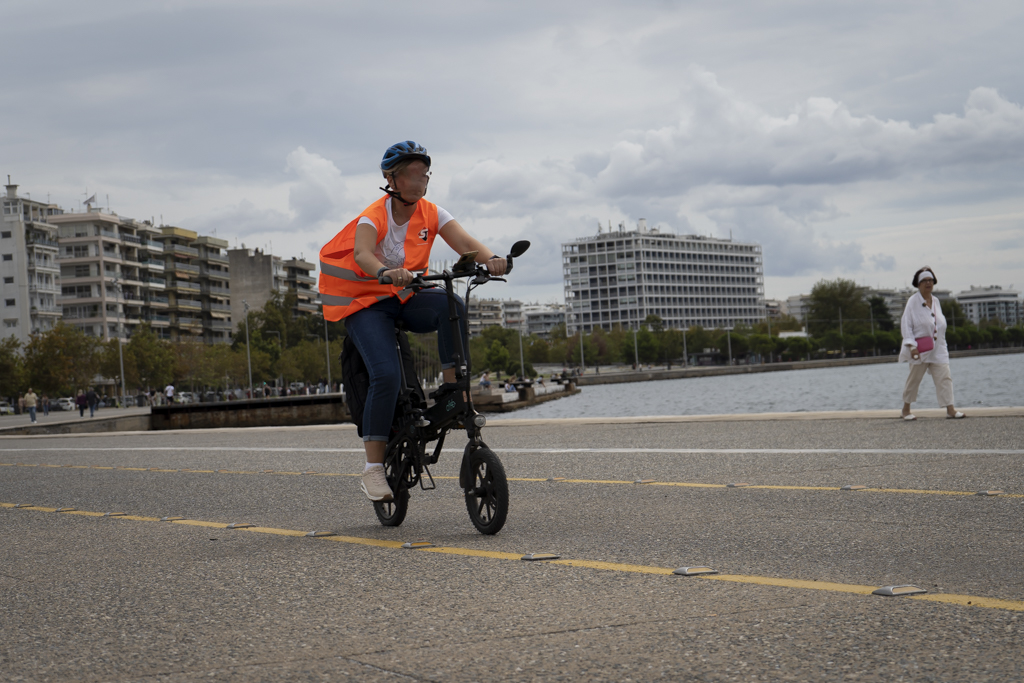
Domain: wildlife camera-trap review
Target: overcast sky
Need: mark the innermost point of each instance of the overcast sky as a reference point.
(852, 139)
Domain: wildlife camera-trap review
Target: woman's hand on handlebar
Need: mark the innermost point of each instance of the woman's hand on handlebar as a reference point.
(400, 277)
(497, 266)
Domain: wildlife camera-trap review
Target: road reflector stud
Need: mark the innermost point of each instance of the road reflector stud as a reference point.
(694, 571)
(65, 509)
(992, 492)
(24, 505)
(171, 518)
(555, 479)
(320, 534)
(534, 557)
(416, 545)
(223, 471)
(310, 472)
(268, 471)
(898, 590)
(737, 485)
(113, 514)
(853, 487)
(239, 525)
(644, 481)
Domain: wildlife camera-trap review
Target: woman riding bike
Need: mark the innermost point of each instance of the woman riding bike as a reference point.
(392, 237)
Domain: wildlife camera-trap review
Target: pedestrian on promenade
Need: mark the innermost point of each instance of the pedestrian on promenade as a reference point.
(92, 399)
(82, 402)
(169, 393)
(30, 402)
(924, 345)
(19, 407)
(485, 381)
(46, 405)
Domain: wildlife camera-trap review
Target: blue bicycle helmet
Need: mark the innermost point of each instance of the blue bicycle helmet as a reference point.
(401, 151)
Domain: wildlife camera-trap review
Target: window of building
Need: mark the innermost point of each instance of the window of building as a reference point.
(82, 271)
(8, 257)
(9, 302)
(8, 280)
(6, 234)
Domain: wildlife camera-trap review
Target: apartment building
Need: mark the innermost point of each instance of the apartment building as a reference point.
(991, 303)
(29, 273)
(111, 272)
(198, 286)
(619, 278)
(542, 318)
(255, 278)
(299, 279)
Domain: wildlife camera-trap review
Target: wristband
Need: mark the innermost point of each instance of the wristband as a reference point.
(381, 271)
(494, 257)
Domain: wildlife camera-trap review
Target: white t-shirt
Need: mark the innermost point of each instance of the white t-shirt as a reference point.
(391, 250)
(169, 391)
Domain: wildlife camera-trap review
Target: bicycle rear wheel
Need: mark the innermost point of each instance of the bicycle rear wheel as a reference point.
(487, 499)
(392, 512)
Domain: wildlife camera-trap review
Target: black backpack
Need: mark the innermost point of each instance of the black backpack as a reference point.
(356, 378)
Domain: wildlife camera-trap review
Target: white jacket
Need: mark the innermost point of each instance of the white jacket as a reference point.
(920, 320)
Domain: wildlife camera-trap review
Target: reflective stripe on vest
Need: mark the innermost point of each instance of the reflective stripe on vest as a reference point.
(345, 288)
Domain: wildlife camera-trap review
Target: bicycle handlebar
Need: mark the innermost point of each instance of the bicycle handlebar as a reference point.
(479, 269)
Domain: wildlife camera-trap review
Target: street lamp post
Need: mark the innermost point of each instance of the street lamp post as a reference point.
(686, 359)
(583, 362)
(327, 352)
(248, 356)
(728, 340)
(636, 351)
(522, 365)
(120, 350)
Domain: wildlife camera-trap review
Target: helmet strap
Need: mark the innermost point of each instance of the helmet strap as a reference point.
(395, 194)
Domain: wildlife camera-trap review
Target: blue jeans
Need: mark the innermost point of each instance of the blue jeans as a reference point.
(32, 412)
(373, 332)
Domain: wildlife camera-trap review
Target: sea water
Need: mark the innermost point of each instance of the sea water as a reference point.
(977, 381)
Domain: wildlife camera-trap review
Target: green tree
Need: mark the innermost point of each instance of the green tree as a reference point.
(864, 342)
(888, 341)
(761, 344)
(536, 349)
(829, 299)
(304, 362)
(655, 322)
(62, 360)
(152, 359)
(12, 367)
(880, 313)
(671, 345)
(833, 341)
(497, 356)
(954, 314)
(799, 347)
(647, 345)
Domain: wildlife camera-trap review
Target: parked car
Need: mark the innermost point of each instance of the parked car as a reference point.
(185, 397)
(66, 403)
(6, 408)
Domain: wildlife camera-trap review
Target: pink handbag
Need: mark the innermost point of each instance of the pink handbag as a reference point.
(924, 344)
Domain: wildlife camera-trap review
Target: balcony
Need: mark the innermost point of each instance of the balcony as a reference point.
(156, 282)
(153, 264)
(181, 249)
(155, 247)
(189, 322)
(108, 233)
(193, 304)
(183, 286)
(216, 290)
(158, 301)
(309, 280)
(186, 268)
(220, 325)
(214, 307)
(46, 309)
(307, 307)
(39, 241)
(217, 258)
(218, 274)
(158, 319)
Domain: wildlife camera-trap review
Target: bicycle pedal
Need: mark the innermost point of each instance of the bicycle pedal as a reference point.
(422, 422)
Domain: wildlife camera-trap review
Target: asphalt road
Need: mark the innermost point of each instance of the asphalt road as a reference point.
(86, 597)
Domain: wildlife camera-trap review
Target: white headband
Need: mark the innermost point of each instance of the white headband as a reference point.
(925, 275)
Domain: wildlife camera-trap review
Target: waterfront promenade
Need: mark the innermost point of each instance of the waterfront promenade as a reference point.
(87, 597)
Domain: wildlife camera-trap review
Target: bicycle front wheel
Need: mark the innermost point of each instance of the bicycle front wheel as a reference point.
(487, 499)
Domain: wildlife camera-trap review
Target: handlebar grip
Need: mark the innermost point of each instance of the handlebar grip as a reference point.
(385, 280)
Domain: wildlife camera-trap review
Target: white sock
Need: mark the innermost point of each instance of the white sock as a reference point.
(371, 465)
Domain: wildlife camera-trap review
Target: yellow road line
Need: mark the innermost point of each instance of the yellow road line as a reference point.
(948, 598)
(680, 484)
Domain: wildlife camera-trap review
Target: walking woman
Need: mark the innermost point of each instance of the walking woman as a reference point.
(924, 345)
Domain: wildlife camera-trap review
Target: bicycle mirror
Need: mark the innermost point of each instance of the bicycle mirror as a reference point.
(519, 248)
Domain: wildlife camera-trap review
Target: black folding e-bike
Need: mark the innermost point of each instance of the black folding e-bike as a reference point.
(407, 460)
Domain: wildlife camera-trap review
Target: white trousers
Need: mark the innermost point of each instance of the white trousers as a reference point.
(941, 377)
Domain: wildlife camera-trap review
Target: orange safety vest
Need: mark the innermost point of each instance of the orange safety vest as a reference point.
(345, 288)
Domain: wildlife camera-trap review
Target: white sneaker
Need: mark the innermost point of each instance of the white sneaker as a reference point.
(375, 485)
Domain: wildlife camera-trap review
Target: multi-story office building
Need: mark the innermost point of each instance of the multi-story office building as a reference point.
(198, 286)
(111, 273)
(541, 318)
(991, 303)
(494, 312)
(29, 273)
(619, 278)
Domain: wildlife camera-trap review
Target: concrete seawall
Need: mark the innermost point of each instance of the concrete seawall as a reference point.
(713, 370)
